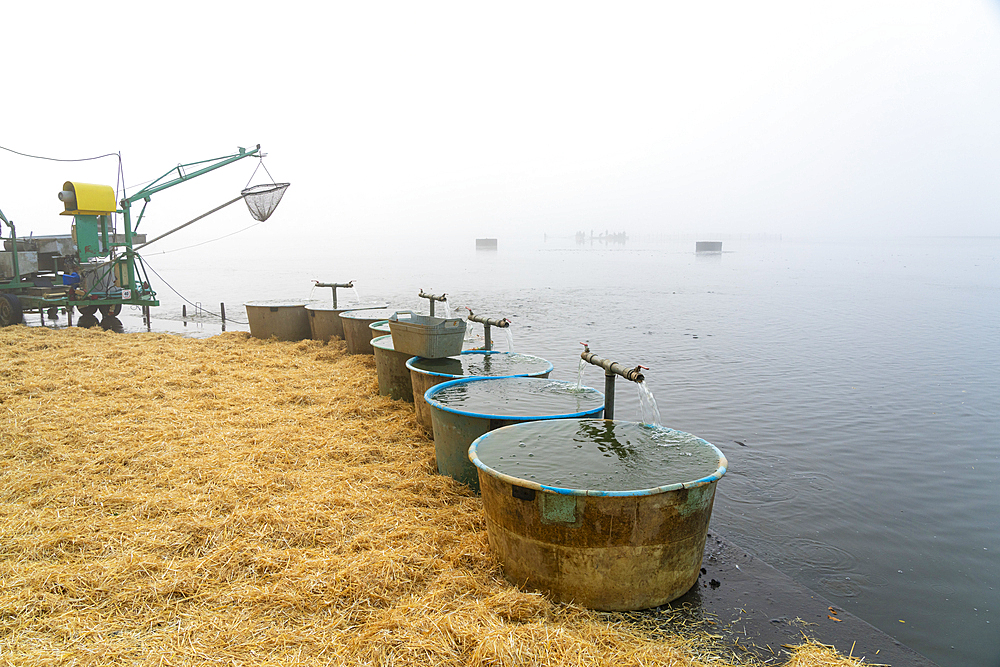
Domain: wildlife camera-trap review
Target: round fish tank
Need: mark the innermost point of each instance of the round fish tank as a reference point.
(425, 373)
(357, 335)
(380, 328)
(464, 409)
(284, 320)
(324, 320)
(608, 514)
(390, 365)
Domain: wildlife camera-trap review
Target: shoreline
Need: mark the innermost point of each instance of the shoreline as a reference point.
(771, 610)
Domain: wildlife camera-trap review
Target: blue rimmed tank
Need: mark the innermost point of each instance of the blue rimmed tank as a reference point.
(464, 409)
(425, 373)
(390, 367)
(608, 514)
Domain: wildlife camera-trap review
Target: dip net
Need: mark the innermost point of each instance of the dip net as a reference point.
(263, 199)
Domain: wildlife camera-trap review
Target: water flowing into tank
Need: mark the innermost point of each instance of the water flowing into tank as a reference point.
(579, 373)
(447, 309)
(510, 339)
(647, 406)
(357, 297)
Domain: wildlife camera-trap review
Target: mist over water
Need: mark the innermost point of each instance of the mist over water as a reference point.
(854, 387)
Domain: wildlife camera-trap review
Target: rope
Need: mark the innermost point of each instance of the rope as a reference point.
(55, 159)
(260, 164)
(185, 299)
(167, 252)
(190, 222)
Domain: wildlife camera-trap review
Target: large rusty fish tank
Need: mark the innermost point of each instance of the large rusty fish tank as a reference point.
(611, 515)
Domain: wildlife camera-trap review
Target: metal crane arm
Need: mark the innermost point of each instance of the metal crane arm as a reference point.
(156, 186)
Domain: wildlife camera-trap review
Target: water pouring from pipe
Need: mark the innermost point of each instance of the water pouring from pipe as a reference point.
(490, 322)
(647, 405)
(510, 339)
(579, 373)
(335, 287)
(611, 369)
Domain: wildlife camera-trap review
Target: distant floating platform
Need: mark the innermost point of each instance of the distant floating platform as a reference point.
(708, 246)
(486, 244)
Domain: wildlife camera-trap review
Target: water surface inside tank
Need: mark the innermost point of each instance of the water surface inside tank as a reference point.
(366, 314)
(516, 397)
(278, 303)
(384, 343)
(598, 454)
(483, 363)
(377, 305)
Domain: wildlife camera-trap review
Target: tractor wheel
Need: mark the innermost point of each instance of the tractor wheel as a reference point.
(53, 313)
(10, 310)
(111, 309)
(87, 310)
(87, 321)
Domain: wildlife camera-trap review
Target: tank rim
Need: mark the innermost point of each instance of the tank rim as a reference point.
(545, 488)
(348, 314)
(316, 305)
(430, 400)
(459, 377)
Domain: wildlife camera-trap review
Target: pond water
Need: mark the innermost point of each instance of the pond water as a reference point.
(853, 386)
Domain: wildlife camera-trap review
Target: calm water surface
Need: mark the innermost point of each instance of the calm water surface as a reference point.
(853, 387)
(598, 454)
(481, 363)
(518, 397)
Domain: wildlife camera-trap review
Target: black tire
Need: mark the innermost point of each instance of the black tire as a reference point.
(53, 313)
(111, 309)
(87, 310)
(87, 321)
(112, 323)
(10, 310)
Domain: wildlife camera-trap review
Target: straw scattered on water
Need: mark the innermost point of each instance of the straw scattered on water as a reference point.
(171, 501)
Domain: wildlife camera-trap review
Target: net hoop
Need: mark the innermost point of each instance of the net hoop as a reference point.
(263, 199)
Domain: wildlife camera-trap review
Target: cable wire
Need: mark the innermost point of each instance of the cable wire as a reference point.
(55, 159)
(185, 299)
(167, 252)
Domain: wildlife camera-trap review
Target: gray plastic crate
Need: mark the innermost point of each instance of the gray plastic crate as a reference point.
(424, 336)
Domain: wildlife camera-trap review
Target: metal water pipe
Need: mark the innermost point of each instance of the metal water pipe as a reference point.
(334, 287)
(432, 298)
(487, 323)
(611, 369)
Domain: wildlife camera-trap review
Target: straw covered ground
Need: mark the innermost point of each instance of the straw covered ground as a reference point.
(170, 501)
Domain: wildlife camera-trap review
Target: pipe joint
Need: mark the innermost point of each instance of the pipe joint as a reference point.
(612, 367)
(334, 285)
(502, 324)
(433, 297)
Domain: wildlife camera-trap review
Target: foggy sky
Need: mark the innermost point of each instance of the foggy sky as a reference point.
(802, 119)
